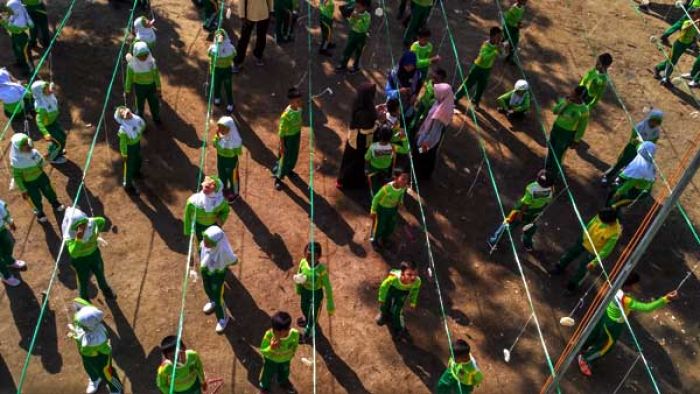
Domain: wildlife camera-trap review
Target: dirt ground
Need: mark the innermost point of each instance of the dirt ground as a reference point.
(483, 295)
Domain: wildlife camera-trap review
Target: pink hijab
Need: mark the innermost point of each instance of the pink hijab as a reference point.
(444, 106)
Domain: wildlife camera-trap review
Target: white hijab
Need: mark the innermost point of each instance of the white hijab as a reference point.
(131, 127)
(224, 47)
(71, 216)
(645, 130)
(141, 66)
(10, 92)
(42, 100)
(233, 139)
(19, 17)
(89, 329)
(143, 32)
(220, 255)
(208, 202)
(19, 159)
(642, 167)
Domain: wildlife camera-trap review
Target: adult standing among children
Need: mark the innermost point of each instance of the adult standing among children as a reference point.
(362, 121)
(253, 13)
(432, 130)
(37, 11)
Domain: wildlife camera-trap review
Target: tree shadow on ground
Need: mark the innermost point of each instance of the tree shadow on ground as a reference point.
(25, 309)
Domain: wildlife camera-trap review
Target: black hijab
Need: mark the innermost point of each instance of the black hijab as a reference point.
(364, 113)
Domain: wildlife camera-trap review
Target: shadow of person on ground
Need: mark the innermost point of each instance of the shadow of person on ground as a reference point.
(584, 153)
(342, 372)
(8, 382)
(428, 369)
(256, 146)
(66, 275)
(25, 309)
(166, 225)
(87, 201)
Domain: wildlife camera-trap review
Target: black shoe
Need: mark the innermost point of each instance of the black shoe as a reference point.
(132, 190)
(380, 320)
(556, 270)
(108, 293)
(278, 184)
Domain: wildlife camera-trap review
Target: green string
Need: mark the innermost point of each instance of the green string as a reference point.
(492, 179)
(200, 173)
(43, 58)
(88, 161)
(432, 271)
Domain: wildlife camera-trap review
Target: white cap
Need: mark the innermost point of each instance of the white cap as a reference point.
(522, 84)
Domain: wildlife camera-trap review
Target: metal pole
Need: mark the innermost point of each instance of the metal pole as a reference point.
(630, 265)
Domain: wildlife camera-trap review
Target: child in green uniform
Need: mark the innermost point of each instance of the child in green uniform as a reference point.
(359, 21)
(7, 245)
(538, 195)
(142, 74)
(646, 130)
(379, 159)
(420, 10)
(221, 55)
(604, 231)
(145, 32)
(694, 74)
(206, 208)
(312, 282)
(29, 176)
(131, 128)
(189, 372)
(512, 22)
(14, 99)
(229, 146)
(423, 49)
(91, 336)
(687, 36)
(326, 10)
(384, 211)
(568, 129)
(426, 99)
(637, 179)
(215, 257)
(18, 24)
(690, 6)
(400, 285)
(279, 344)
(612, 324)
(481, 69)
(515, 103)
(462, 373)
(46, 107)
(284, 19)
(85, 256)
(290, 138)
(37, 12)
(596, 80)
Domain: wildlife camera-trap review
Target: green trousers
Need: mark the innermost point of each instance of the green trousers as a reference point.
(695, 71)
(214, 288)
(392, 308)
(147, 93)
(326, 31)
(7, 245)
(560, 140)
(479, 77)
(619, 200)
(271, 370)
(58, 142)
(283, 21)
(384, 223)
(512, 34)
(419, 15)
(228, 172)
(20, 47)
(677, 51)
(628, 154)
(288, 159)
(378, 177)
(100, 367)
(448, 384)
(38, 187)
(527, 218)
(223, 79)
(602, 339)
(309, 299)
(573, 253)
(41, 25)
(85, 267)
(353, 48)
(132, 163)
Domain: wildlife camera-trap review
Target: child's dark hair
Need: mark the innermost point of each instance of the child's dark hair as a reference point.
(384, 134)
(605, 59)
(281, 321)
(168, 344)
(293, 93)
(440, 72)
(631, 280)
(392, 105)
(398, 171)
(461, 348)
(424, 33)
(407, 265)
(364, 3)
(544, 178)
(607, 215)
(494, 31)
(580, 92)
(316, 248)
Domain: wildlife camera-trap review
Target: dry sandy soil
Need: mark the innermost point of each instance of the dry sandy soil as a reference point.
(483, 295)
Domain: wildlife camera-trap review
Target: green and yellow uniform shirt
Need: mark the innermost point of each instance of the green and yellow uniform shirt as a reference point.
(45, 118)
(467, 373)
(688, 33)
(388, 197)
(487, 55)
(394, 280)
(290, 122)
(83, 247)
(603, 235)
(28, 174)
(535, 198)
(316, 278)
(514, 15)
(423, 53)
(359, 23)
(204, 218)
(380, 156)
(141, 73)
(186, 375)
(125, 141)
(595, 83)
(327, 9)
(629, 304)
(225, 152)
(572, 117)
(286, 349)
